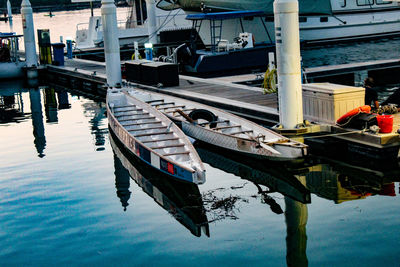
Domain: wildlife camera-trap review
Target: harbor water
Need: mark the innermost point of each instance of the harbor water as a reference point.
(71, 195)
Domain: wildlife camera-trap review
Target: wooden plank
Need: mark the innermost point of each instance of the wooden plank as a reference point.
(176, 153)
(141, 123)
(245, 131)
(150, 134)
(144, 118)
(160, 140)
(226, 127)
(167, 146)
(179, 106)
(148, 128)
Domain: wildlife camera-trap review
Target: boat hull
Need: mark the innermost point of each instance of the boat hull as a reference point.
(166, 165)
(11, 70)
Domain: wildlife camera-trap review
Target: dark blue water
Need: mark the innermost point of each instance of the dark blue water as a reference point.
(69, 195)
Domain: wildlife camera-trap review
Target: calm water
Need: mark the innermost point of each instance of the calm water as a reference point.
(67, 199)
(70, 196)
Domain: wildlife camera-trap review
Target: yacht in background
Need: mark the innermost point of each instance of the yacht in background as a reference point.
(134, 28)
(321, 21)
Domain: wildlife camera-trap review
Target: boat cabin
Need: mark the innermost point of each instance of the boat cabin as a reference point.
(219, 55)
(10, 64)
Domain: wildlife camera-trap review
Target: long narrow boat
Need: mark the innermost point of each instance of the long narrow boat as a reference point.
(182, 200)
(153, 138)
(223, 129)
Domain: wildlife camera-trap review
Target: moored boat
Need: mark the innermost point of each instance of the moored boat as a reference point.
(223, 129)
(153, 138)
(10, 65)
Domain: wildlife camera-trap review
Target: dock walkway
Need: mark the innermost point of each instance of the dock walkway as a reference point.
(242, 100)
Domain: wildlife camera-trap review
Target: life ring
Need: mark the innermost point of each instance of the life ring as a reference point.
(365, 109)
(205, 115)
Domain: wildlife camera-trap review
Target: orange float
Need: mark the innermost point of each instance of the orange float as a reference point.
(365, 109)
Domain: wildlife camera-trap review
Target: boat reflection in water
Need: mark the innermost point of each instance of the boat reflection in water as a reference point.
(277, 178)
(11, 103)
(340, 182)
(182, 200)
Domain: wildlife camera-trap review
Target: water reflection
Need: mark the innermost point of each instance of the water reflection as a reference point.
(11, 102)
(277, 178)
(37, 121)
(50, 104)
(296, 216)
(96, 111)
(122, 182)
(182, 200)
(342, 182)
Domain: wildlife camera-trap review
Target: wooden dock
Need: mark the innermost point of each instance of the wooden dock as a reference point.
(243, 100)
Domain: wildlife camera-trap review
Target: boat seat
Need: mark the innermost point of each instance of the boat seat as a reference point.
(141, 123)
(176, 153)
(149, 134)
(167, 146)
(149, 128)
(122, 115)
(226, 127)
(163, 104)
(161, 140)
(136, 118)
(127, 110)
(172, 111)
(126, 106)
(155, 100)
(209, 122)
(182, 106)
(241, 132)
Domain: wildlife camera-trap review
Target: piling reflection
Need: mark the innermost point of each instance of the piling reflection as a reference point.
(182, 200)
(37, 121)
(277, 178)
(50, 104)
(122, 182)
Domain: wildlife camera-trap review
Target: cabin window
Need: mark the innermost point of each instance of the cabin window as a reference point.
(365, 2)
(383, 2)
(323, 19)
(302, 19)
(342, 3)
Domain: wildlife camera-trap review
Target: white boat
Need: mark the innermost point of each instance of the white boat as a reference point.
(153, 138)
(182, 200)
(10, 65)
(223, 129)
(320, 21)
(134, 28)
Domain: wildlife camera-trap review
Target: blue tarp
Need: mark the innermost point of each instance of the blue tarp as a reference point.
(225, 15)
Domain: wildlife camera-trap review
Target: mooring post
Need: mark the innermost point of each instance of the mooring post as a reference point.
(111, 43)
(151, 21)
(10, 16)
(29, 39)
(286, 14)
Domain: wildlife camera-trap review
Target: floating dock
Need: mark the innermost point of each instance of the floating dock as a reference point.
(240, 99)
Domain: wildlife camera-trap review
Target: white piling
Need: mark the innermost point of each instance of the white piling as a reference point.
(286, 13)
(10, 16)
(29, 34)
(111, 43)
(151, 21)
